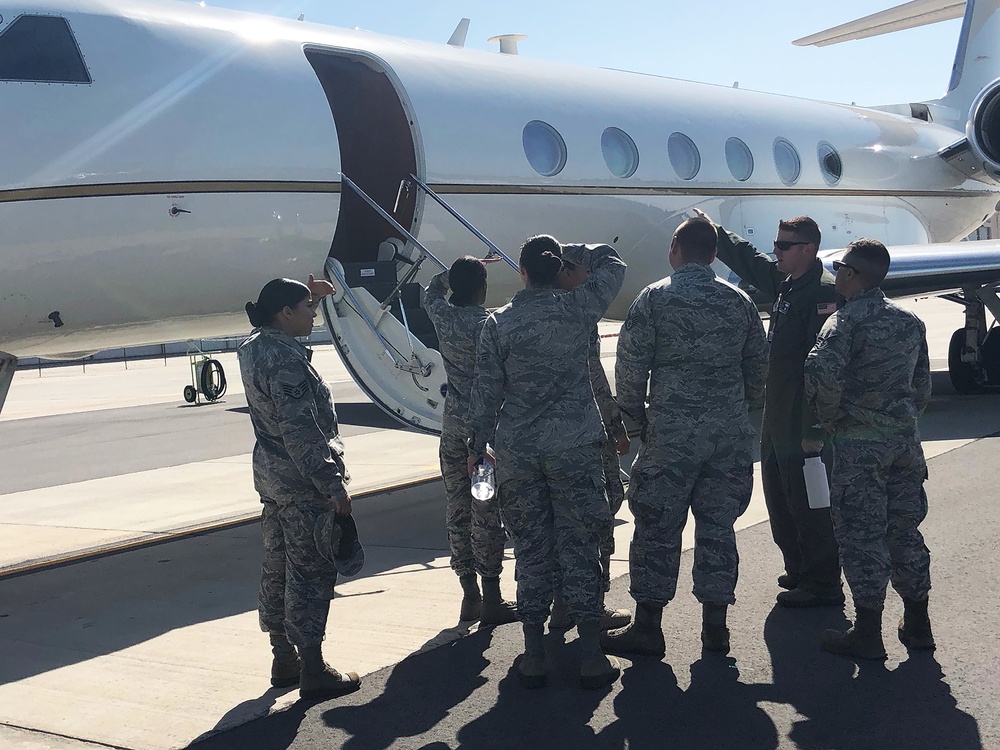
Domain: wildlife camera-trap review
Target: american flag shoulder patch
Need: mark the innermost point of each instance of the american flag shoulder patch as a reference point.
(826, 308)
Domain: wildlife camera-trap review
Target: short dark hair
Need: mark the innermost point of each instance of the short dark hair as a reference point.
(871, 260)
(541, 258)
(697, 241)
(804, 227)
(276, 295)
(466, 277)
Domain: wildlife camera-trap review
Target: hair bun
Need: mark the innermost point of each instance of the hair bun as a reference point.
(251, 309)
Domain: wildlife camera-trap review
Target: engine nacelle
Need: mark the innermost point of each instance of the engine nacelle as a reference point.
(983, 129)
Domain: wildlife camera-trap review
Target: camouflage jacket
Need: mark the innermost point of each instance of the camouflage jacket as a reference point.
(611, 414)
(298, 450)
(869, 368)
(800, 307)
(700, 343)
(532, 391)
(458, 330)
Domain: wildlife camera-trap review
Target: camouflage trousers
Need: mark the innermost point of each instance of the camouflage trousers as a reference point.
(877, 500)
(615, 492)
(296, 584)
(475, 535)
(556, 510)
(672, 474)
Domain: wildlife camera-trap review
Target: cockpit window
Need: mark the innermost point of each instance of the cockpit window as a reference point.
(41, 49)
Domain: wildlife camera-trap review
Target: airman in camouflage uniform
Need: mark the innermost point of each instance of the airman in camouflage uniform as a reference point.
(869, 378)
(699, 343)
(532, 400)
(574, 273)
(475, 535)
(299, 472)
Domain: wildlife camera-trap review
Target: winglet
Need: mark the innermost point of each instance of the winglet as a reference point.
(458, 35)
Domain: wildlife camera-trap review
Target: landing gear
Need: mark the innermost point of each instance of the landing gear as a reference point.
(974, 351)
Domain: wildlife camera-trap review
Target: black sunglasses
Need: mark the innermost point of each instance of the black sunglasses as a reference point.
(786, 245)
(838, 264)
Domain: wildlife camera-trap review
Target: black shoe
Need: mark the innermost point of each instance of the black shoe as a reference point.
(788, 582)
(804, 598)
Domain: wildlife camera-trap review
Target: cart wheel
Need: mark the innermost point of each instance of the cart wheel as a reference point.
(190, 394)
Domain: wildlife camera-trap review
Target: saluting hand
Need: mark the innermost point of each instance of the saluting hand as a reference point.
(703, 215)
(319, 288)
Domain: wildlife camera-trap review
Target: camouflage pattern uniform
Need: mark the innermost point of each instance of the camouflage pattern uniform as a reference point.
(611, 415)
(298, 465)
(532, 400)
(869, 378)
(474, 532)
(700, 343)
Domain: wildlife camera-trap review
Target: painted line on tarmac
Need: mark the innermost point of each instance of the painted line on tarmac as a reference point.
(157, 538)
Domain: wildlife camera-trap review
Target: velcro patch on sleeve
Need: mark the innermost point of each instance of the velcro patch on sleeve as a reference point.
(826, 308)
(294, 390)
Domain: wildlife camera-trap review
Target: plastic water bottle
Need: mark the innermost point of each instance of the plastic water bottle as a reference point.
(483, 481)
(817, 486)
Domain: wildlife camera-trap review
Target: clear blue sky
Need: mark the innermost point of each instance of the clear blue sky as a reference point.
(715, 41)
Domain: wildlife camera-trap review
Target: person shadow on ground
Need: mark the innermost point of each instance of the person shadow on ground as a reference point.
(419, 693)
(715, 711)
(847, 705)
(557, 716)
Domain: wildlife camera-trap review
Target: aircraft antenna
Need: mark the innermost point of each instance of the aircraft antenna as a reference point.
(508, 42)
(459, 34)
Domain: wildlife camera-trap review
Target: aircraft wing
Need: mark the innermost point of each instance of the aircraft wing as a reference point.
(937, 269)
(905, 16)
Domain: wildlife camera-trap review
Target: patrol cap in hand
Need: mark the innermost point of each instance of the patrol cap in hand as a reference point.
(337, 540)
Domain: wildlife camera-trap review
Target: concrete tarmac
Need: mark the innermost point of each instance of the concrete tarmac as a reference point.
(156, 646)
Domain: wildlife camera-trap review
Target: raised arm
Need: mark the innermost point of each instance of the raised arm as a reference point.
(746, 262)
(487, 390)
(607, 273)
(432, 298)
(636, 344)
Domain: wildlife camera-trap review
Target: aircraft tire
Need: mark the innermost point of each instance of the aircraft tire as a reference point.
(991, 355)
(963, 374)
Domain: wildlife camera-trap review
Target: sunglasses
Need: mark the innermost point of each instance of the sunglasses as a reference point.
(838, 264)
(786, 245)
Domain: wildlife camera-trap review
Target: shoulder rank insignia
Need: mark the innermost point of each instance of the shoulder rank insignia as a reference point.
(295, 391)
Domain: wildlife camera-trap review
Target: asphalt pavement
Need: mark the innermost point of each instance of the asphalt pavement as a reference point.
(776, 689)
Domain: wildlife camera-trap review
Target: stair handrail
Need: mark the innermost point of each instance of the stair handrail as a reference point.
(489, 243)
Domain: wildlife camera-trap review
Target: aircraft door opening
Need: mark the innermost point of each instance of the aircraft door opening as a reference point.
(377, 151)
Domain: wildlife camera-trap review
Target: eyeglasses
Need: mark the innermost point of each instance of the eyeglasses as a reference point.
(838, 264)
(786, 245)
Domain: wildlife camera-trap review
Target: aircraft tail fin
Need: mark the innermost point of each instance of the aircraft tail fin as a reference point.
(977, 58)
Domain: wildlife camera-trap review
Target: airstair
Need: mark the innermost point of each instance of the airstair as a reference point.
(384, 337)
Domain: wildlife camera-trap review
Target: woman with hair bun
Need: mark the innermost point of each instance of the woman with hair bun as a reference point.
(533, 402)
(299, 472)
(475, 535)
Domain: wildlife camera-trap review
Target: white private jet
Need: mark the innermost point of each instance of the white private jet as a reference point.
(162, 159)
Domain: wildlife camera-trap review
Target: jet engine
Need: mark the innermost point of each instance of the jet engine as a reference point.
(983, 129)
